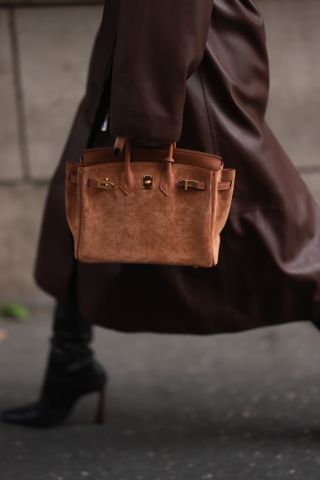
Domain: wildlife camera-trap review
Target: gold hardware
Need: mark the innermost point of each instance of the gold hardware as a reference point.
(147, 182)
(188, 184)
(105, 184)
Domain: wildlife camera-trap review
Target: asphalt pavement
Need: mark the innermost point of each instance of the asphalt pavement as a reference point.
(234, 407)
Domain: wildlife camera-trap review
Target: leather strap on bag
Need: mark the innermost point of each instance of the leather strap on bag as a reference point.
(167, 179)
(127, 178)
(222, 186)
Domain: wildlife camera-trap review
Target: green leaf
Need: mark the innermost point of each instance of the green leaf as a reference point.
(14, 311)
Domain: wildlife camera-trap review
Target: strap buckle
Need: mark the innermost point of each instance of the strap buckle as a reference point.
(105, 184)
(188, 184)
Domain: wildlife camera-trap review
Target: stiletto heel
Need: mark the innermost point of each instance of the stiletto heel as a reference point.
(100, 415)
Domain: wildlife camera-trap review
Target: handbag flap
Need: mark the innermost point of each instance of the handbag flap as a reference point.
(94, 156)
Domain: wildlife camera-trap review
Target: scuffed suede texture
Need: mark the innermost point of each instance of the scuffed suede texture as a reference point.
(147, 226)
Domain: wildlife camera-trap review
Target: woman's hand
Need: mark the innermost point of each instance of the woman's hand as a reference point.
(120, 143)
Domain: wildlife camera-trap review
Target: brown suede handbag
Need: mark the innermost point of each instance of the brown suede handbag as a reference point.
(148, 205)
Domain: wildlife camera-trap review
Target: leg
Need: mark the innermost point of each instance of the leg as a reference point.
(71, 371)
(72, 334)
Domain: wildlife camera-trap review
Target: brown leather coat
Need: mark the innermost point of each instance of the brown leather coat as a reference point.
(196, 72)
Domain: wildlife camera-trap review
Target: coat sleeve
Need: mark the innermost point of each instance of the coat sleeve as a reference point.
(160, 43)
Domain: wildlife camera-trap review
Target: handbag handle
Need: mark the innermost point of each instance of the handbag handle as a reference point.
(120, 143)
(127, 178)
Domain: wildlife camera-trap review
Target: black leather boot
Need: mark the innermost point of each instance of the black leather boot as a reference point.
(64, 384)
(72, 371)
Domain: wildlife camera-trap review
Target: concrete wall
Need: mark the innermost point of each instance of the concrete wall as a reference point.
(44, 51)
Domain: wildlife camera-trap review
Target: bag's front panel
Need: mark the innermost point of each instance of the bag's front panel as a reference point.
(146, 226)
